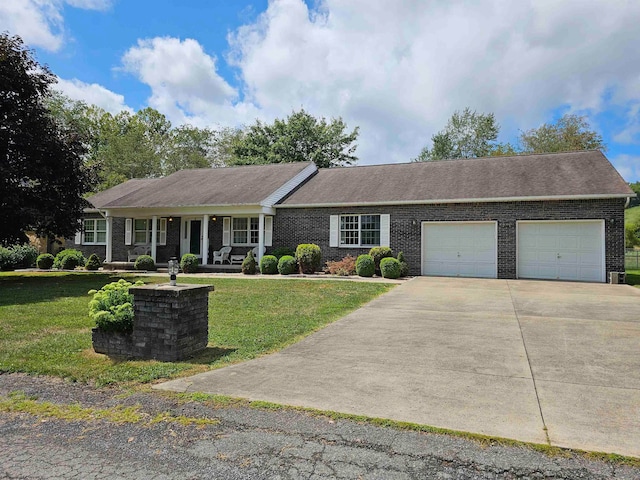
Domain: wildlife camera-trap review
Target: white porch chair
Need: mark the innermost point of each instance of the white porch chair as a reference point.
(222, 255)
(255, 252)
(132, 255)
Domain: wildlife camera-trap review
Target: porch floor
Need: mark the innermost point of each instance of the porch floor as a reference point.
(163, 266)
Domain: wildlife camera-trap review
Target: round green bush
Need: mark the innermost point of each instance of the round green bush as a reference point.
(365, 266)
(7, 259)
(69, 259)
(24, 256)
(390, 267)
(45, 261)
(112, 306)
(144, 262)
(249, 264)
(309, 257)
(378, 253)
(269, 265)
(287, 265)
(404, 266)
(280, 252)
(93, 263)
(189, 263)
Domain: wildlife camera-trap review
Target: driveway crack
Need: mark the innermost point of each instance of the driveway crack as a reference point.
(533, 377)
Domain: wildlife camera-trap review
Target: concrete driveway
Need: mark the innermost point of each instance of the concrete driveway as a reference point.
(546, 362)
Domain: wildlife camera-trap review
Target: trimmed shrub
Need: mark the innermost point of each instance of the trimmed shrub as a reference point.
(404, 266)
(344, 267)
(69, 259)
(7, 259)
(144, 262)
(287, 265)
(309, 257)
(94, 262)
(112, 306)
(45, 261)
(378, 253)
(365, 266)
(249, 264)
(282, 251)
(24, 256)
(269, 265)
(390, 267)
(189, 263)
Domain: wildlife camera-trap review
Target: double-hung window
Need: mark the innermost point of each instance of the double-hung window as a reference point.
(94, 231)
(142, 228)
(245, 230)
(360, 230)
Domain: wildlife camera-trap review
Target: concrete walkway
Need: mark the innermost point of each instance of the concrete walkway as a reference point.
(543, 362)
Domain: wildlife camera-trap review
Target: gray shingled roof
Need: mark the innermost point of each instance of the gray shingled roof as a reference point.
(247, 185)
(581, 174)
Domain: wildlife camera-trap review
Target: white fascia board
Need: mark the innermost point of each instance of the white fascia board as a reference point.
(219, 210)
(289, 186)
(457, 200)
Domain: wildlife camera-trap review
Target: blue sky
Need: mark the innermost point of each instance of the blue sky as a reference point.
(396, 72)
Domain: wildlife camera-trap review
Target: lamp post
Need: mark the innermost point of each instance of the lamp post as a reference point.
(174, 268)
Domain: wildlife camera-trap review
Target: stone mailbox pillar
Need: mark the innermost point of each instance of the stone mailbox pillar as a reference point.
(171, 322)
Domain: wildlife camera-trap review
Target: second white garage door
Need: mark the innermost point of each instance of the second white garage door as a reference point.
(561, 250)
(459, 249)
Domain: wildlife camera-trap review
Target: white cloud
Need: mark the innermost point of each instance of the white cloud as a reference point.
(40, 22)
(183, 80)
(400, 72)
(628, 166)
(93, 94)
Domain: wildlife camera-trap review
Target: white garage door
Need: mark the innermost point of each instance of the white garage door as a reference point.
(460, 249)
(561, 250)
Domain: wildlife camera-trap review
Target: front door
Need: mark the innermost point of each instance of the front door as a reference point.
(195, 237)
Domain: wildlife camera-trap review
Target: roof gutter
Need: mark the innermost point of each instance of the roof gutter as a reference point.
(458, 200)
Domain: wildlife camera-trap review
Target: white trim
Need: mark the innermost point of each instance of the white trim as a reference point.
(109, 248)
(81, 234)
(427, 223)
(334, 230)
(268, 231)
(455, 200)
(226, 231)
(573, 220)
(205, 239)
(385, 230)
(360, 215)
(196, 211)
(288, 187)
(185, 235)
(154, 237)
(128, 231)
(260, 236)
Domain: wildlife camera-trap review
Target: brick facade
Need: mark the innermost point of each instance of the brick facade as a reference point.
(293, 226)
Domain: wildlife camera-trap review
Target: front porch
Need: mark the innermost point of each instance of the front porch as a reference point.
(162, 267)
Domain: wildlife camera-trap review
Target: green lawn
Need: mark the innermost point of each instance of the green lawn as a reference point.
(633, 277)
(45, 329)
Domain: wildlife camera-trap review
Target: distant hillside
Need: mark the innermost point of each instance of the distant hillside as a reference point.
(632, 215)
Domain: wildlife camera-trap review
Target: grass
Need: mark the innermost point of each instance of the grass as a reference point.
(632, 215)
(45, 329)
(633, 277)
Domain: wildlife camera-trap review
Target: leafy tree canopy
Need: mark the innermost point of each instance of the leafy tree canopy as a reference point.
(43, 176)
(570, 132)
(299, 138)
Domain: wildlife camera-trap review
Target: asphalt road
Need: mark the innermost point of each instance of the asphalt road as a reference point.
(248, 443)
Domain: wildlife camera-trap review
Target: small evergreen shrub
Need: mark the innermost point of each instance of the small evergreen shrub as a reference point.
(112, 306)
(24, 256)
(378, 253)
(7, 259)
(365, 266)
(189, 263)
(309, 257)
(269, 265)
(249, 264)
(404, 266)
(93, 263)
(287, 265)
(45, 261)
(390, 267)
(282, 251)
(344, 267)
(145, 262)
(69, 259)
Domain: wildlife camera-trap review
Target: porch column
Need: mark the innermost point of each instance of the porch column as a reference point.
(154, 236)
(205, 240)
(109, 249)
(260, 236)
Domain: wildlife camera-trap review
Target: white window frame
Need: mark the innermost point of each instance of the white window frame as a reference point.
(251, 221)
(359, 244)
(95, 230)
(161, 232)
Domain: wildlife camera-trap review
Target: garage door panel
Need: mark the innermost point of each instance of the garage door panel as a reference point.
(459, 249)
(571, 250)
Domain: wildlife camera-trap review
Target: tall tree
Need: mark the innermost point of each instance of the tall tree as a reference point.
(299, 138)
(43, 179)
(570, 132)
(468, 134)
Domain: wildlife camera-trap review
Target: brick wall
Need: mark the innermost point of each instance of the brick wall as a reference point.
(293, 226)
